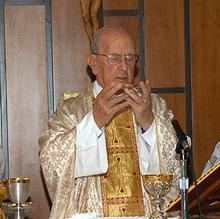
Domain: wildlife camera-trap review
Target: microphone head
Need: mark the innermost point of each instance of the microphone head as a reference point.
(179, 132)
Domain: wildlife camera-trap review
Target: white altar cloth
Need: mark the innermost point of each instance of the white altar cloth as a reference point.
(93, 216)
(88, 217)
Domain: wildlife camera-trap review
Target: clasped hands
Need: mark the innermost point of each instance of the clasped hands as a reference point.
(108, 102)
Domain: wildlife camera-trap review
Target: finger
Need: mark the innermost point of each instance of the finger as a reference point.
(110, 90)
(107, 105)
(115, 101)
(133, 103)
(134, 95)
(145, 86)
(118, 99)
(119, 107)
(148, 86)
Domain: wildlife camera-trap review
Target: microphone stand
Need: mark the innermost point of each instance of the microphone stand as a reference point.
(184, 180)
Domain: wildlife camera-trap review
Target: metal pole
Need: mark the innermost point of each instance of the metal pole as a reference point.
(184, 184)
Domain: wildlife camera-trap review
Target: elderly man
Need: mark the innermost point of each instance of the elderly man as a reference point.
(100, 143)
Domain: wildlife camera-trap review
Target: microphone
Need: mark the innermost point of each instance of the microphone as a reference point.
(180, 135)
(184, 149)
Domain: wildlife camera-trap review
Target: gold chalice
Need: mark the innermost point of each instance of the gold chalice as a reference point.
(157, 186)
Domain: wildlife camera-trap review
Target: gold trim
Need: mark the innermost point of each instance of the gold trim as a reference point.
(160, 177)
(16, 180)
(70, 94)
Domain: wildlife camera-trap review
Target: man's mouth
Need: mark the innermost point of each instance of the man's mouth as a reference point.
(122, 79)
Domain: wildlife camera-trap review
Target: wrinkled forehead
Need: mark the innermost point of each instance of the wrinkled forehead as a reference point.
(117, 42)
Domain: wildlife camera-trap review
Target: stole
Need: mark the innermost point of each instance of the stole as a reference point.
(121, 185)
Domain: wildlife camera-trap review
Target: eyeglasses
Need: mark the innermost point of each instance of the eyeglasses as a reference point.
(115, 59)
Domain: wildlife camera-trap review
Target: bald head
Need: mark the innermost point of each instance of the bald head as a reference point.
(105, 36)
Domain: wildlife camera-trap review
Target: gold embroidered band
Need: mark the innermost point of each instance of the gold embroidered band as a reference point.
(121, 186)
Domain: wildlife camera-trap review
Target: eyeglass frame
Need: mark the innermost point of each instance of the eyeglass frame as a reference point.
(119, 55)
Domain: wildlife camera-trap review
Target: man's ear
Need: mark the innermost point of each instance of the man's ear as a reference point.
(92, 62)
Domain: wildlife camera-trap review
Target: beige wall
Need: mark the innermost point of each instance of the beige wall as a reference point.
(26, 94)
(27, 82)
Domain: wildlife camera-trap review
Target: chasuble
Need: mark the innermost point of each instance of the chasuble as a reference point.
(71, 195)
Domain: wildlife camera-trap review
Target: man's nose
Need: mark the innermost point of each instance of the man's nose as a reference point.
(123, 65)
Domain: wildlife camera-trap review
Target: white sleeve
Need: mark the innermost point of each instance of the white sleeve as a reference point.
(148, 152)
(91, 154)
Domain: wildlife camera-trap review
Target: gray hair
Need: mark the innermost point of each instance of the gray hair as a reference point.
(94, 46)
(96, 37)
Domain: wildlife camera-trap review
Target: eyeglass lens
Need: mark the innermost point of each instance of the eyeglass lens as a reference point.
(117, 58)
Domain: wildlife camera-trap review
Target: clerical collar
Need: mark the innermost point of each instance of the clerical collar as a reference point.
(96, 88)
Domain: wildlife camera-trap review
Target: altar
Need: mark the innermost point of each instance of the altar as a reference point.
(93, 216)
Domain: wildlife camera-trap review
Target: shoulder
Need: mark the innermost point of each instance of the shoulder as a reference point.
(157, 101)
(160, 106)
(76, 101)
